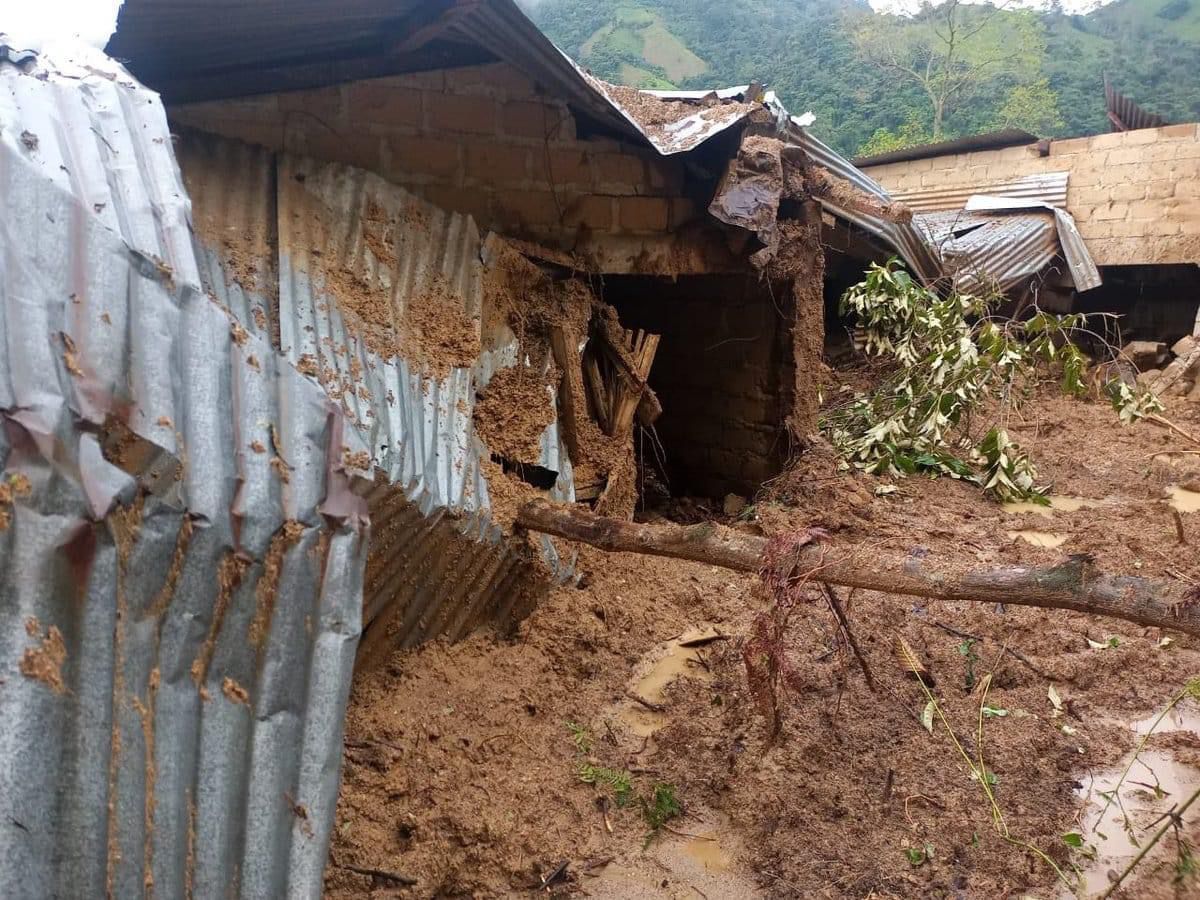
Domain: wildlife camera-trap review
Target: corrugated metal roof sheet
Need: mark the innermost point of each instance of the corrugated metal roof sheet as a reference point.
(998, 242)
(984, 250)
(992, 140)
(904, 237)
(200, 600)
(170, 41)
(1124, 114)
(1043, 187)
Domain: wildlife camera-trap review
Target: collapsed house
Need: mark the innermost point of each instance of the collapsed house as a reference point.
(285, 355)
(1128, 200)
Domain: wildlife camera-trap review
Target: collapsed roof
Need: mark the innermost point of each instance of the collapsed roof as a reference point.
(192, 51)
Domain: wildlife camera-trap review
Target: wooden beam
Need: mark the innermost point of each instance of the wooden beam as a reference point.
(1075, 584)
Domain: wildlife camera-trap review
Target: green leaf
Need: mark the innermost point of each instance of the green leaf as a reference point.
(1073, 839)
(994, 712)
(916, 856)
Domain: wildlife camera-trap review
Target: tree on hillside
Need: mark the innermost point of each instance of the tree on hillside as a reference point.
(952, 51)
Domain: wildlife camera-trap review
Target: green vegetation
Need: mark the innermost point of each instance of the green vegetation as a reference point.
(952, 361)
(618, 782)
(1051, 81)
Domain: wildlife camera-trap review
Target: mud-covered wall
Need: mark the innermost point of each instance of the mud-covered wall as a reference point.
(723, 373)
(478, 140)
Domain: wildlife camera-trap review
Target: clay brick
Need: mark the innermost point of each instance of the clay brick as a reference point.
(533, 210)
(1159, 190)
(1130, 190)
(436, 157)
(1142, 136)
(495, 163)
(1127, 155)
(473, 202)
(644, 213)
(619, 169)
(1074, 145)
(1164, 151)
(1094, 230)
(664, 176)
(592, 211)
(1176, 132)
(1191, 226)
(1110, 211)
(1090, 195)
(528, 119)
(432, 80)
(1187, 149)
(683, 211)
(325, 104)
(1107, 141)
(381, 102)
(1183, 210)
(1131, 228)
(360, 149)
(464, 114)
(563, 167)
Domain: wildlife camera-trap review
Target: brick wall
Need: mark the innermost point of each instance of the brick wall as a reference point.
(722, 372)
(479, 140)
(1135, 195)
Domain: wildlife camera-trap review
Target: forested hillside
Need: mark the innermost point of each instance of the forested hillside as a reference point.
(824, 55)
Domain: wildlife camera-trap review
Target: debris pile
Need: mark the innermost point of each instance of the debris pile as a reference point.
(1173, 372)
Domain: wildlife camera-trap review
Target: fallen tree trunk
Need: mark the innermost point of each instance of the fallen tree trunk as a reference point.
(1075, 584)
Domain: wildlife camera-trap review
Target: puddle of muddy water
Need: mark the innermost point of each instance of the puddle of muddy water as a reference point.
(676, 659)
(1040, 538)
(1184, 500)
(1058, 503)
(680, 865)
(706, 849)
(1156, 782)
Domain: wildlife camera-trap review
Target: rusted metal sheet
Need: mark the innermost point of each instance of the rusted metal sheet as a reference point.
(1124, 114)
(180, 611)
(1042, 187)
(972, 143)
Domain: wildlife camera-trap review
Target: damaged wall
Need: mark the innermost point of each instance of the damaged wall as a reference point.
(722, 373)
(479, 140)
(1135, 195)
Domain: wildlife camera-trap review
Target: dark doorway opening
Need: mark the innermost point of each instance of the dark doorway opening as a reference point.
(724, 374)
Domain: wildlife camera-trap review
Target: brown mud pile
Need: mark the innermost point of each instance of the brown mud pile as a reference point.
(359, 270)
(461, 770)
(513, 412)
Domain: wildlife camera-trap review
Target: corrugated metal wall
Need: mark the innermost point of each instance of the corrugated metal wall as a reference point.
(438, 564)
(182, 553)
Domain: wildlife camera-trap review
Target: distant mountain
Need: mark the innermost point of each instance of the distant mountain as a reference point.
(804, 49)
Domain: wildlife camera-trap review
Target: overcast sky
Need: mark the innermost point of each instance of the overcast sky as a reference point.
(32, 23)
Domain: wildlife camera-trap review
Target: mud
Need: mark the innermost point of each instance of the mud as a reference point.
(461, 770)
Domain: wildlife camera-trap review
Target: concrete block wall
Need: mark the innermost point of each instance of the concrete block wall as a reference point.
(1135, 195)
(480, 140)
(722, 373)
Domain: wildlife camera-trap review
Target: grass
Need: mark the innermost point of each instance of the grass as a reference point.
(978, 767)
(661, 808)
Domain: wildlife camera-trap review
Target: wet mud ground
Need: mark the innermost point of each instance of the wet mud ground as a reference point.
(463, 762)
